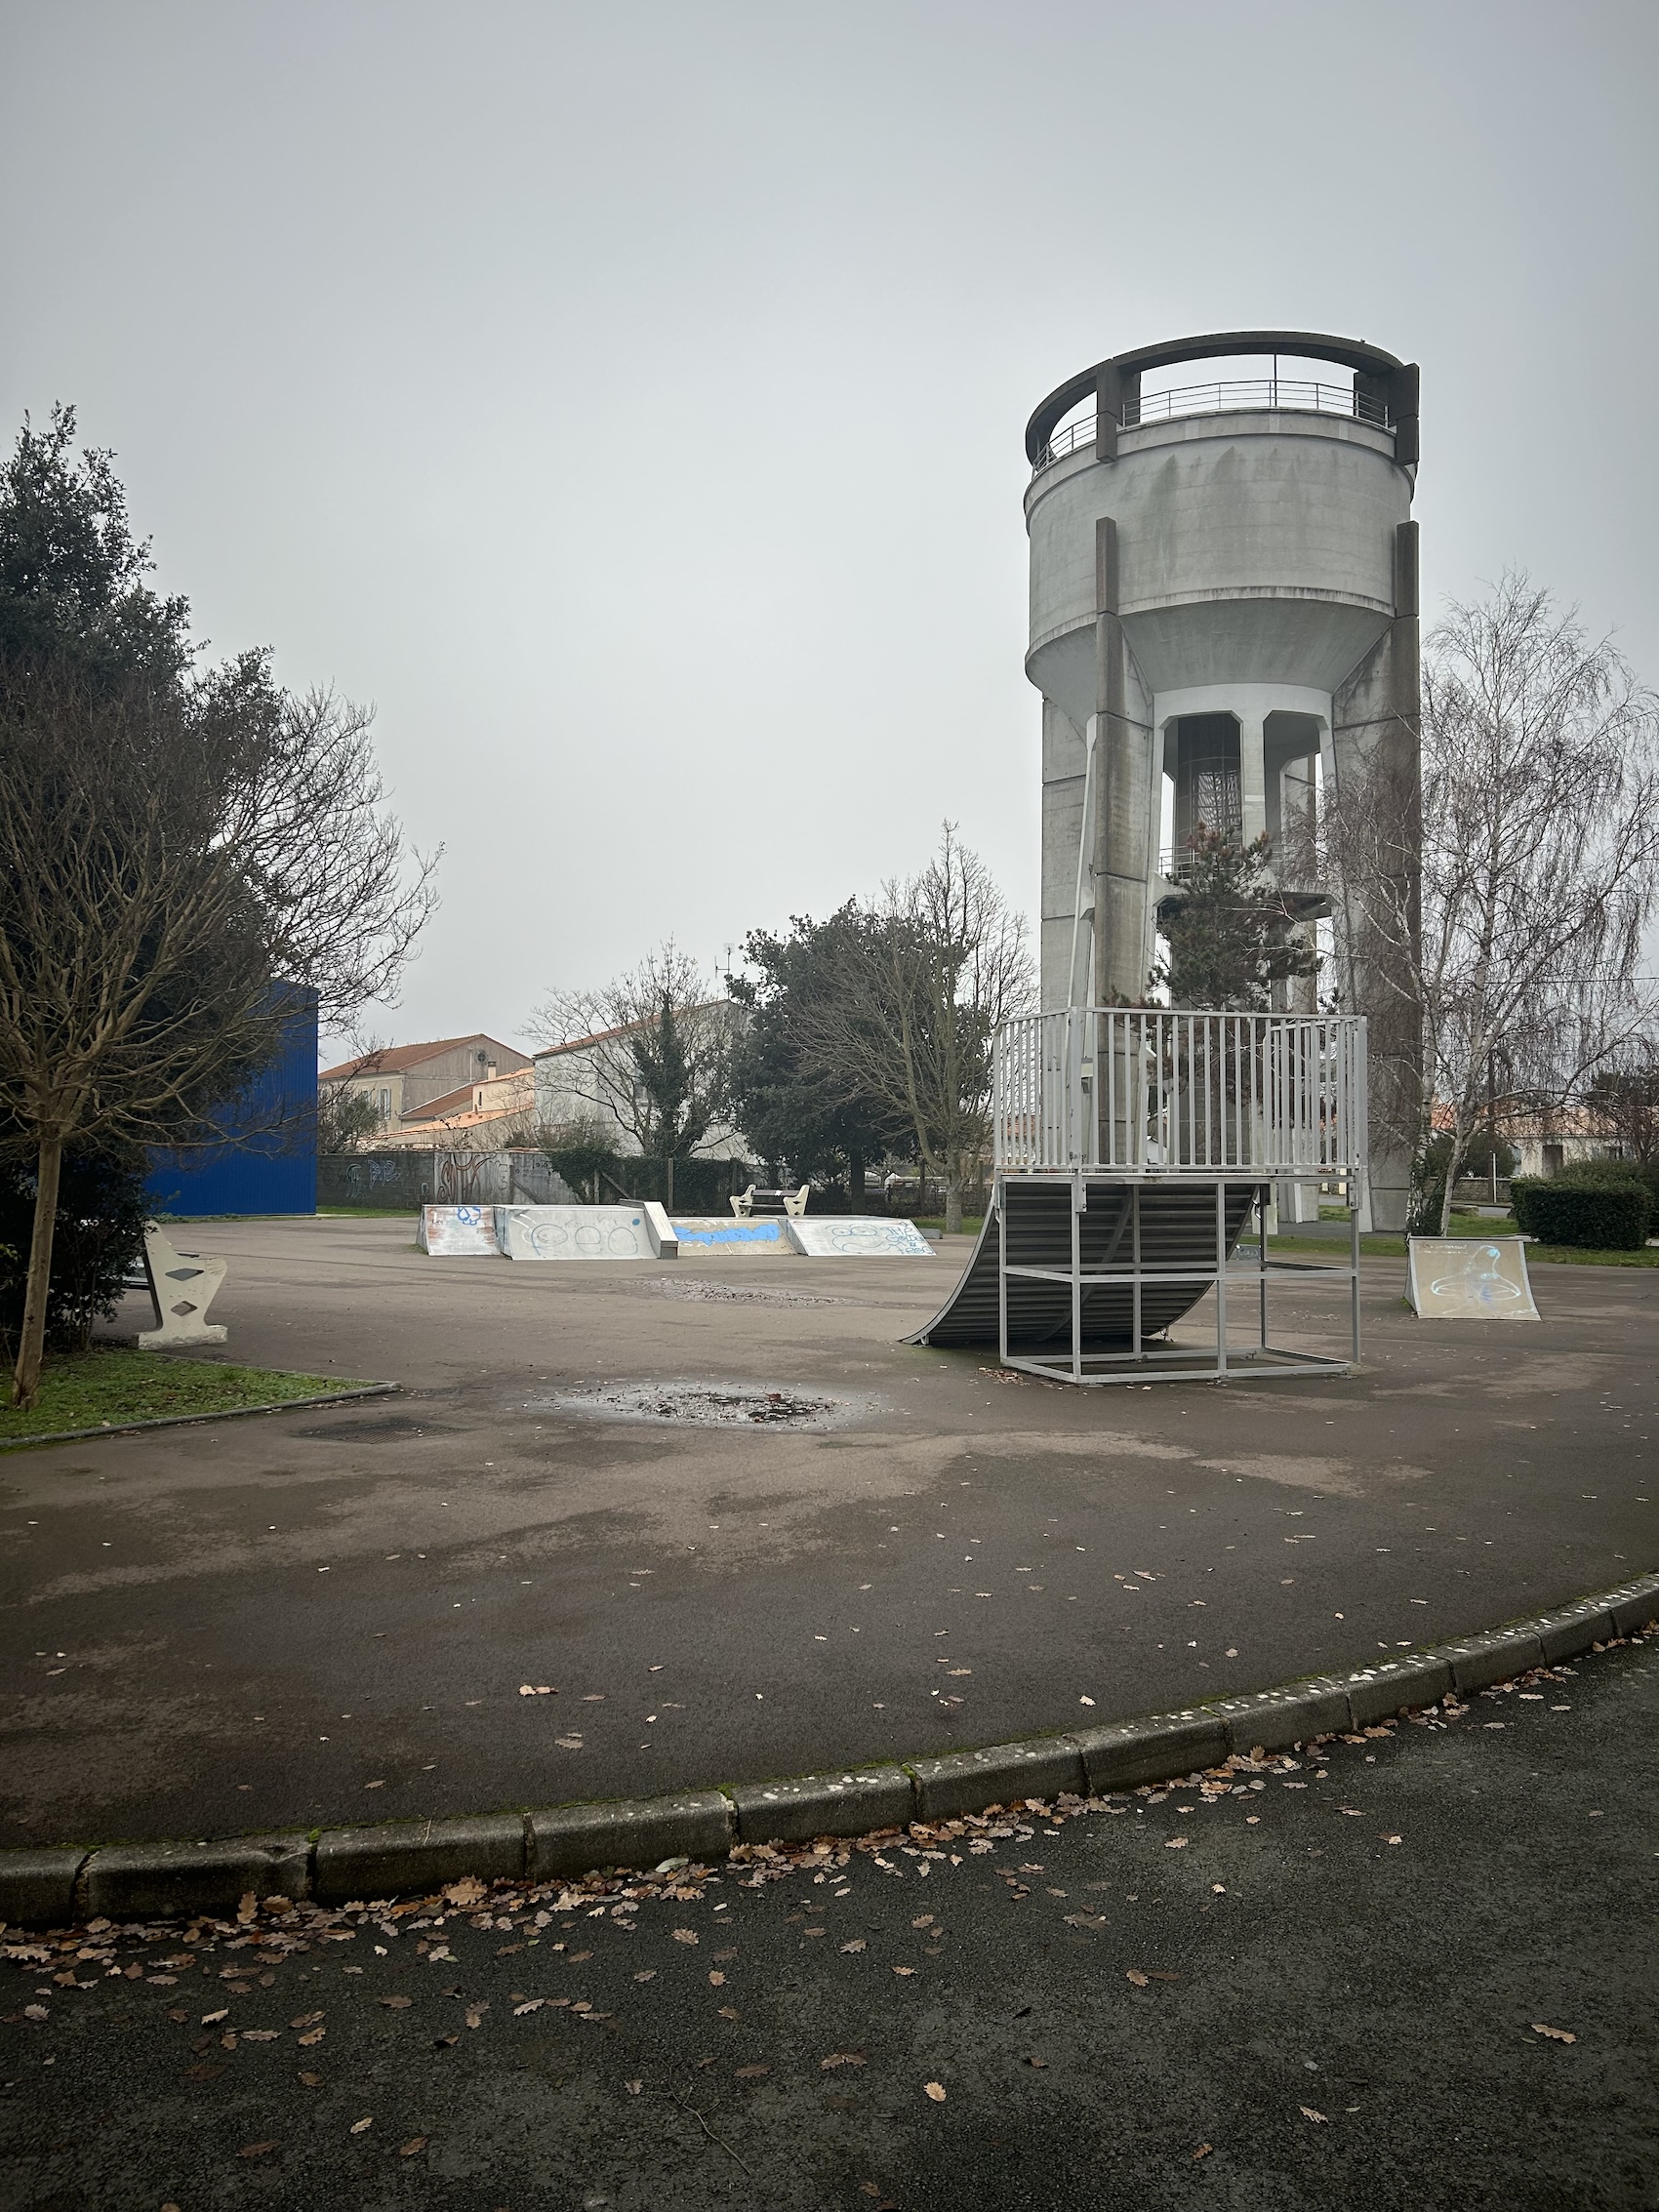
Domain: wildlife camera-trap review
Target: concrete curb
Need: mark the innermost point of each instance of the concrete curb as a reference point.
(187, 1419)
(159, 1880)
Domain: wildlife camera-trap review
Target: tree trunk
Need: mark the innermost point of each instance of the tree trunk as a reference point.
(1454, 1168)
(953, 1203)
(31, 1344)
(670, 1169)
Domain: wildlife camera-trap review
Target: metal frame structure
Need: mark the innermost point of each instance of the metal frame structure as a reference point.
(1147, 1099)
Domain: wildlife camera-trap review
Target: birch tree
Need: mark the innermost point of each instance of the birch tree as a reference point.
(1540, 847)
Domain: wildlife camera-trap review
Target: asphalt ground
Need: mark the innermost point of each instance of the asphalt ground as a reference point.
(1410, 1971)
(326, 1617)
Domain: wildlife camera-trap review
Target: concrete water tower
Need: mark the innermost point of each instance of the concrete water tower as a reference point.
(1224, 589)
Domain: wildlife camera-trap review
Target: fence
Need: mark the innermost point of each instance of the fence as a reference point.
(406, 1180)
(1109, 1090)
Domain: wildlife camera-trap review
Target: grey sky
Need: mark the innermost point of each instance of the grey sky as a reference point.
(629, 399)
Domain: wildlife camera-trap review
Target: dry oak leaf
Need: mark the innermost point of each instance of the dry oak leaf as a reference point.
(256, 2149)
(750, 2073)
(530, 2004)
(935, 2090)
(634, 2087)
(467, 1891)
(1308, 2113)
(1177, 1844)
(305, 2018)
(315, 2036)
(357, 2126)
(208, 2018)
(840, 2058)
(685, 1935)
(716, 1980)
(396, 2004)
(858, 1944)
(409, 2149)
(905, 1971)
(1556, 2034)
(646, 1974)
(1202, 2152)
(1138, 1978)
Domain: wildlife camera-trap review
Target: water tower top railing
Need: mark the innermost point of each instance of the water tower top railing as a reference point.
(1275, 394)
(1148, 1094)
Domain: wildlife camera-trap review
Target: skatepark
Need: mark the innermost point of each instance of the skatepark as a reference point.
(634, 1525)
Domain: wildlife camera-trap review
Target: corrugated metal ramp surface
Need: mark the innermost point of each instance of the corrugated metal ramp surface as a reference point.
(1178, 1229)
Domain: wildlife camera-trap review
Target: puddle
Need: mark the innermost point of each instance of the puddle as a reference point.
(701, 1405)
(700, 1289)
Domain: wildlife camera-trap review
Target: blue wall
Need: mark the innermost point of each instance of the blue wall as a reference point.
(273, 1169)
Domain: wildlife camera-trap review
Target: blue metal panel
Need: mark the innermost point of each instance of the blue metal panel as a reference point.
(273, 1168)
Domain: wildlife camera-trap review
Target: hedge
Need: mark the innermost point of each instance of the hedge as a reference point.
(1604, 1217)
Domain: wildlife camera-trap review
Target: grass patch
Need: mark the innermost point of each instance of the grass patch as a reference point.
(97, 1390)
(971, 1222)
(1394, 1247)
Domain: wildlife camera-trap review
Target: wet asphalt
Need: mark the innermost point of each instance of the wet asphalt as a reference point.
(1324, 1982)
(331, 1615)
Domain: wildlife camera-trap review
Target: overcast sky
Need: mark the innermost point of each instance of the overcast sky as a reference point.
(629, 399)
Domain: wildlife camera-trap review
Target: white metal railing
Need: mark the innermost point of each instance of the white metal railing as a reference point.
(1293, 394)
(1127, 1091)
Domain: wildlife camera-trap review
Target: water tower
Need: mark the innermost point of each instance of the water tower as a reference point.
(1223, 590)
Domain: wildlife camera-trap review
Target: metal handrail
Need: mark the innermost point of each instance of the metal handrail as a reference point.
(1146, 1093)
(1291, 394)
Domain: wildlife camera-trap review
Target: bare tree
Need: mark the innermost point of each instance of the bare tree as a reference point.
(911, 1008)
(1540, 843)
(656, 1047)
(172, 855)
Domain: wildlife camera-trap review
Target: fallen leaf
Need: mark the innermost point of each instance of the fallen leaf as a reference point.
(568, 1743)
(1086, 1701)
(750, 2073)
(1037, 2063)
(467, 1891)
(311, 2081)
(906, 1971)
(357, 2126)
(840, 2058)
(685, 1935)
(634, 2087)
(208, 2018)
(1177, 1844)
(305, 2018)
(1137, 1977)
(1202, 2152)
(923, 1920)
(246, 1906)
(258, 2034)
(257, 2149)
(1556, 2034)
(646, 1974)
(396, 2004)
(730, 2012)
(1394, 1839)
(935, 2090)
(315, 2036)
(1308, 2113)
(409, 2149)
(716, 1980)
(858, 1944)
(475, 2017)
(530, 2004)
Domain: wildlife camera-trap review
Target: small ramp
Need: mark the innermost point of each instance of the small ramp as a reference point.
(1177, 1233)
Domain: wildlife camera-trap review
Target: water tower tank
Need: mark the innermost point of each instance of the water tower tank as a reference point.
(1223, 588)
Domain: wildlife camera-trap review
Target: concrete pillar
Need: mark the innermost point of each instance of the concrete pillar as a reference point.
(1122, 778)
(1253, 775)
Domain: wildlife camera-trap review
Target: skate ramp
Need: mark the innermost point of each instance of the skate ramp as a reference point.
(1178, 1229)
